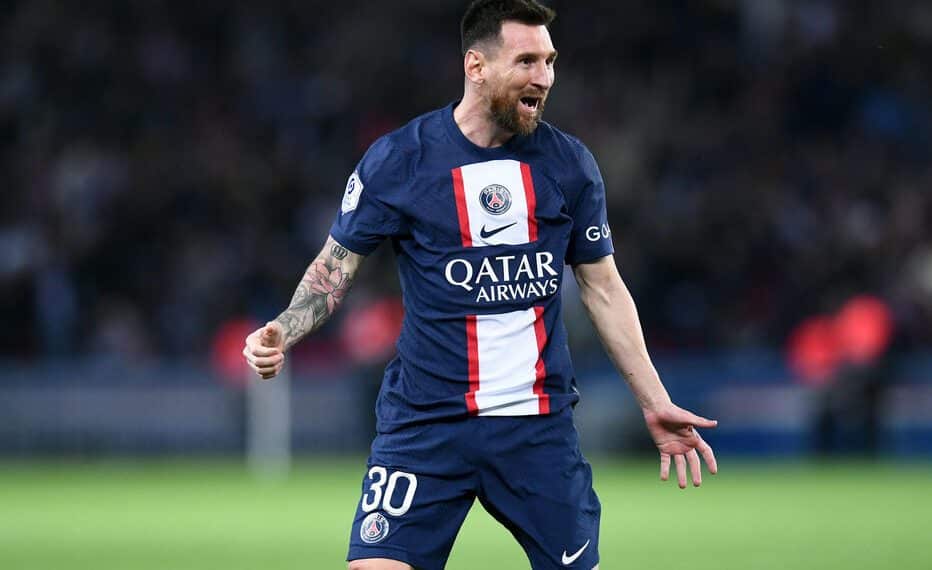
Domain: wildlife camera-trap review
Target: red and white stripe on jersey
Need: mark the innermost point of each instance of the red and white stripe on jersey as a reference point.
(504, 351)
(506, 364)
(474, 220)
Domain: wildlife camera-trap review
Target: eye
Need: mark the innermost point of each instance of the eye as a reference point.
(527, 60)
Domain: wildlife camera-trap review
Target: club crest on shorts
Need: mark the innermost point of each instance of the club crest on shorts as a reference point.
(495, 199)
(374, 528)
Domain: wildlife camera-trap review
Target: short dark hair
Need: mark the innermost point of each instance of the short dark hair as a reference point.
(483, 19)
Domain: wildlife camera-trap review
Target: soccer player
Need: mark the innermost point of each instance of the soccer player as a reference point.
(484, 204)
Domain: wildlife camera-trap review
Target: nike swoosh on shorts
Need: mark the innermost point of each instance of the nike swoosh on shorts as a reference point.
(567, 560)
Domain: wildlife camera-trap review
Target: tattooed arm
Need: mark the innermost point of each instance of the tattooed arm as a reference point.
(325, 284)
(322, 289)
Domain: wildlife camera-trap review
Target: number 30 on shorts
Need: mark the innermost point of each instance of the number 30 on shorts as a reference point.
(379, 477)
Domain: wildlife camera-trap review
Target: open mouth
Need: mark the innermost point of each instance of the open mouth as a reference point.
(530, 103)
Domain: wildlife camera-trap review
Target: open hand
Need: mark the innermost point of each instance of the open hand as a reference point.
(265, 350)
(673, 430)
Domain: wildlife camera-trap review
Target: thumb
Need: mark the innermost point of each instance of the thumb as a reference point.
(699, 421)
(271, 336)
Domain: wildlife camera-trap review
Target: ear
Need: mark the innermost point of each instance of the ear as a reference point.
(474, 64)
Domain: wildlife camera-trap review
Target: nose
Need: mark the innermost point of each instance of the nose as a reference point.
(542, 76)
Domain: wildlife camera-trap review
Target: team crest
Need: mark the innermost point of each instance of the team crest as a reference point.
(495, 199)
(374, 528)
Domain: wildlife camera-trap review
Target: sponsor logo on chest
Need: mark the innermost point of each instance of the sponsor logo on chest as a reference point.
(505, 277)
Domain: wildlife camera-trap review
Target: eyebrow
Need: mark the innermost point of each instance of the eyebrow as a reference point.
(552, 55)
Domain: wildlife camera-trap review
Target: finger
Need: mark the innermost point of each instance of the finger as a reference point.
(259, 350)
(695, 470)
(680, 470)
(271, 335)
(706, 450)
(664, 466)
(269, 368)
(250, 359)
(686, 432)
(270, 372)
(266, 362)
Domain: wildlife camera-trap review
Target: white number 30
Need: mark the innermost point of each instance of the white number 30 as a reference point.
(379, 476)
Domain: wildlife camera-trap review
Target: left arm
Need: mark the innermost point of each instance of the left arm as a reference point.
(615, 318)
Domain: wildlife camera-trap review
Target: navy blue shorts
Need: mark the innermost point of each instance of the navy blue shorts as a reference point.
(526, 471)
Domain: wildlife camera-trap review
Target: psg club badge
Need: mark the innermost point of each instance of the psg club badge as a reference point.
(495, 199)
(374, 528)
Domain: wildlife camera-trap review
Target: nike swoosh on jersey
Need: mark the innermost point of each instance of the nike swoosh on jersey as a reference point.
(567, 560)
(487, 234)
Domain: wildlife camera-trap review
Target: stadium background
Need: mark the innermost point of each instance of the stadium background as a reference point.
(168, 169)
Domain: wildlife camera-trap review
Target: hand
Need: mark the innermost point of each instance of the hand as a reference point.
(265, 350)
(673, 430)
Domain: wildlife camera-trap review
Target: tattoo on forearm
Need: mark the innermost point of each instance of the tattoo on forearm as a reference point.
(320, 292)
(338, 251)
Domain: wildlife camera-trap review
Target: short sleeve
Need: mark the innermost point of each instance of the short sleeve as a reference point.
(591, 237)
(367, 214)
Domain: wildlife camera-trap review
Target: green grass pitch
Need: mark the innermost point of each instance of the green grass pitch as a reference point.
(163, 515)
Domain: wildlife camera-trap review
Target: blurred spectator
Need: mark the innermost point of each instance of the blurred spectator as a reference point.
(845, 358)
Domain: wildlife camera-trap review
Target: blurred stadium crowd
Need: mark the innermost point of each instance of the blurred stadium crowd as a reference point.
(169, 165)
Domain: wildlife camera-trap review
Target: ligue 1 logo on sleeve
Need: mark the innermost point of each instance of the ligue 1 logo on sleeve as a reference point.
(495, 199)
(354, 188)
(374, 528)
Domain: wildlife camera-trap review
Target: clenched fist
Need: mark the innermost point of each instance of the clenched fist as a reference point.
(265, 350)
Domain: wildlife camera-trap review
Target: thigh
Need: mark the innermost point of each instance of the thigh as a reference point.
(378, 564)
(539, 486)
(415, 495)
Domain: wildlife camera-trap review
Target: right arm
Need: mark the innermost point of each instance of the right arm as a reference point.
(324, 286)
(321, 291)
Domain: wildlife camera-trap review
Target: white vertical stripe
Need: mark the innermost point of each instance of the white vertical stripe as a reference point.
(508, 357)
(505, 173)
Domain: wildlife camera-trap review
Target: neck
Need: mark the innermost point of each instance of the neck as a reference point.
(474, 119)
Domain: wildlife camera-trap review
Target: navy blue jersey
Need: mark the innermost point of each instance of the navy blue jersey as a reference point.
(481, 236)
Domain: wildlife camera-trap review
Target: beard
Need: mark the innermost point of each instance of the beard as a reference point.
(508, 117)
